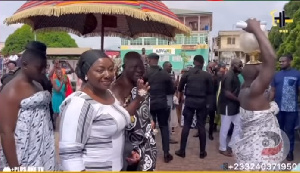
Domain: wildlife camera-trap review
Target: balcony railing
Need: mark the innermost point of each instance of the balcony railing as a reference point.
(195, 38)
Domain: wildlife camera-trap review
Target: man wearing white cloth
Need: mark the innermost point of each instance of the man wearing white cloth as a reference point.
(260, 144)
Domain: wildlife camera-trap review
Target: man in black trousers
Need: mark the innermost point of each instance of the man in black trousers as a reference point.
(198, 87)
(161, 85)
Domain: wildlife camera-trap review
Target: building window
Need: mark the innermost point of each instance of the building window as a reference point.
(164, 58)
(124, 42)
(194, 25)
(230, 40)
(150, 41)
(162, 42)
(193, 39)
(138, 41)
(179, 39)
(202, 38)
(176, 58)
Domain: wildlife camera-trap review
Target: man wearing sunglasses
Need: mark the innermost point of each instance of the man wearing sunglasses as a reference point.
(229, 105)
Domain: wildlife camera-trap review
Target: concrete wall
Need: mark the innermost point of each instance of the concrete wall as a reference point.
(174, 58)
(225, 45)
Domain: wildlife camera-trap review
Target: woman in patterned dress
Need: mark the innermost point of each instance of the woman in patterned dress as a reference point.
(26, 128)
(140, 131)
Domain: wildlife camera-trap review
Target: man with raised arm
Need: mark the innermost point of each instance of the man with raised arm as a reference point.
(260, 141)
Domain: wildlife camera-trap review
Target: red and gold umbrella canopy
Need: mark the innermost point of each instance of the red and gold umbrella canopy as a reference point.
(95, 18)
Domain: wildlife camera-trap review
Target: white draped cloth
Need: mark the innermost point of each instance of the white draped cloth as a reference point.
(260, 142)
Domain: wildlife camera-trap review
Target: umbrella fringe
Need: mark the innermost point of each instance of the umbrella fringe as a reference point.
(107, 33)
(160, 18)
(20, 17)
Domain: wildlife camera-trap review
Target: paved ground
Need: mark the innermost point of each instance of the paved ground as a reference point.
(192, 162)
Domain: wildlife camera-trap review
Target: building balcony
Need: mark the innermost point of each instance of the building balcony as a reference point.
(195, 39)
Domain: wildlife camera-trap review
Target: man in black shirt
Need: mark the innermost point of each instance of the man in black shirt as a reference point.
(12, 70)
(198, 92)
(229, 105)
(212, 68)
(161, 85)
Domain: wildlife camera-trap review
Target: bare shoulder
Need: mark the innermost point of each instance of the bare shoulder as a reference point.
(16, 90)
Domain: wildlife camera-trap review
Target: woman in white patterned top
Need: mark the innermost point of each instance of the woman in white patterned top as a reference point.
(93, 122)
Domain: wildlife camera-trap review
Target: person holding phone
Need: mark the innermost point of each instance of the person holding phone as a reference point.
(58, 65)
(58, 93)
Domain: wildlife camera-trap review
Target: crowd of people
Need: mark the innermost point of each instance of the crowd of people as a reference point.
(109, 122)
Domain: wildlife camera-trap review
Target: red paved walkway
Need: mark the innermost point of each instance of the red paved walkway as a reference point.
(192, 162)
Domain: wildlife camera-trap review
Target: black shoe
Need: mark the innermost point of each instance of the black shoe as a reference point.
(180, 153)
(203, 154)
(196, 135)
(172, 141)
(210, 137)
(168, 157)
(290, 157)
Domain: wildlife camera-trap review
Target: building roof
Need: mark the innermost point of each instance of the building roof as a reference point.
(65, 51)
(232, 32)
(229, 50)
(188, 12)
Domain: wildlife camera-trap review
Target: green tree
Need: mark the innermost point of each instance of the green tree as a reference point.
(291, 7)
(16, 42)
(288, 43)
(276, 38)
(185, 58)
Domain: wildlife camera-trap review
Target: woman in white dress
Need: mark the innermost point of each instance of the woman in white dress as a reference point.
(92, 133)
(26, 128)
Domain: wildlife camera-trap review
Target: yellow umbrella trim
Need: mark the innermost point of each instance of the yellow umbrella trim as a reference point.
(22, 17)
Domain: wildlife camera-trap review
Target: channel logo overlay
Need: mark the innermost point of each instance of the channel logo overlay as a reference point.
(280, 21)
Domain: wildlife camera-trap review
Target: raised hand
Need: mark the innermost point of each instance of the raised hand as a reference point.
(142, 88)
(252, 25)
(135, 158)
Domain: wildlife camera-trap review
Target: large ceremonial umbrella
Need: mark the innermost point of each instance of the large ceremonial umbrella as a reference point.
(127, 19)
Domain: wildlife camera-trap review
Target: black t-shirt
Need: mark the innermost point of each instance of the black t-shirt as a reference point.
(198, 86)
(161, 85)
(230, 83)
